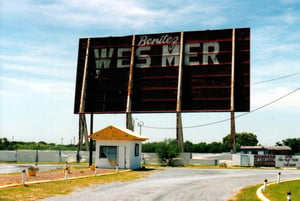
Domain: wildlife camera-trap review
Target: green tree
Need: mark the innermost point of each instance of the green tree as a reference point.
(215, 147)
(189, 146)
(294, 143)
(201, 147)
(149, 147)
(167, 151)
(241, 139)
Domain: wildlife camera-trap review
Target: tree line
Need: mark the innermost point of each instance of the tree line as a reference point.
(5, 144)
(242, 139)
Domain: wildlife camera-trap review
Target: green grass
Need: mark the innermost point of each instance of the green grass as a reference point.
(247, 194)
(276, 192)
(44, 190)
(279, 191)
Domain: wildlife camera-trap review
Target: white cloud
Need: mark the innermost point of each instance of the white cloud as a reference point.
(288, 17)
(52, 61)
(57, 90)
(289, 1)
(279, 97)
(38, 67)
(115, 14)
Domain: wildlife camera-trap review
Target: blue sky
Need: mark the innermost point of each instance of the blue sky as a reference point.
(38, 59)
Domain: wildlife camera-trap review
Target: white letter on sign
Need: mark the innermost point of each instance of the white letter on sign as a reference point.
(104, 59)
(120, 61)
(189, 54)
(211, 54)
(144, 57)
(170, 54)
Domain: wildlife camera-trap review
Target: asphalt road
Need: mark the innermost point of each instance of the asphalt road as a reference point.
(182, 184)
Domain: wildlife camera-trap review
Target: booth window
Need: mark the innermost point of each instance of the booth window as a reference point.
(108, 152)
(137, 150)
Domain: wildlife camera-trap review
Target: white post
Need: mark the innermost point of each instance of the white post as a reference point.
(66, 170)
(117, 168)
(278, 178)
(289, 196)
(66, 174)
(96, 170)
(23, 177)
(265, 184)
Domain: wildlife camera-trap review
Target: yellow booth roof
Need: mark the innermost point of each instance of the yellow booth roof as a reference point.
(116, 133)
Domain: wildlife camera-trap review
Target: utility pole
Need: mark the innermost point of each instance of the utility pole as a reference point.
(140, 124)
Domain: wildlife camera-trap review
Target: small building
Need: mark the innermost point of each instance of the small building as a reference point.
(117, 146)
(266, 150)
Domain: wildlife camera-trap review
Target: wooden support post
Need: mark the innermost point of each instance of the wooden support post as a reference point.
(232, 107)
(91, 141)
(129, 119)
(179, 127)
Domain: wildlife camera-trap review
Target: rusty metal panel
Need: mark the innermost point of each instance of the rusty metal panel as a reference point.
(206, 72)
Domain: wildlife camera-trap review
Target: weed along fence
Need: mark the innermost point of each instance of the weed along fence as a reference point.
(43, 156)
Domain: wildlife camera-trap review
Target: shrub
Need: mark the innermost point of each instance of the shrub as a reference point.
(167, 151)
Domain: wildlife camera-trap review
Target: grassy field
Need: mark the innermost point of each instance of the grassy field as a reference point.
(276, 192)
(247, 194)
(44, 190)
(279, 191)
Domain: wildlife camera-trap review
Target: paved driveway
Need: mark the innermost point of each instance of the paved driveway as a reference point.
(182, 184)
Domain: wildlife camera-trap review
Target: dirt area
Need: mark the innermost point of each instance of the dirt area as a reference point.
(7, 179)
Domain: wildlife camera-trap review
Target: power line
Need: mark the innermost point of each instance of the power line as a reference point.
(274, 79)
(227, 119)
(169, 115)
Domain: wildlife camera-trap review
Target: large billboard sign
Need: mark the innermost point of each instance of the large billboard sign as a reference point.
(196, 71)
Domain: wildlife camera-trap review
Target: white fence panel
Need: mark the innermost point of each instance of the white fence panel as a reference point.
(48, 156)
(8, 156)
(27, 155)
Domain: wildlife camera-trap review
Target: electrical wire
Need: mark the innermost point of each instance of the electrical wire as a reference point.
(227, 119)
(274, 79)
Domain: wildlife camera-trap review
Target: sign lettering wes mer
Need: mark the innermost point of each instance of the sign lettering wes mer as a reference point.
(169, 55)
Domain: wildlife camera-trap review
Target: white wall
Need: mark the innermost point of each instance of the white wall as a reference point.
(189, 158)
(243, 159)
(43, 156)
(8, 156)
(133, 162)
(287, 161)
